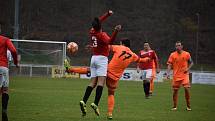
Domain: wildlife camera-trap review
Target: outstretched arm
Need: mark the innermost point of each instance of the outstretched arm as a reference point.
(105, 16)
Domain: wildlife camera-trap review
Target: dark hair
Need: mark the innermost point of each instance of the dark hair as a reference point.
(179, 42)
(126, 42)
(96, 24)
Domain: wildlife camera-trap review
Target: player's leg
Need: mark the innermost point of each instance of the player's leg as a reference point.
(99, 90)
(146, 82)
(4, 83)
(152, 81)
(112, 85)
(146, 86)
(101, 72)
(111, 102)
(80, 70)
(5, 99)
(143, 76)
(175, 86)
(89, 88)
(87, 94)
(151, 86)
(186, 86)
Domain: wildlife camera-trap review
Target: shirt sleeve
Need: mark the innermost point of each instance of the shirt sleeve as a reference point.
(189, 59)
(13, 51)
(136, 58)
(170, 60)
(104, 17)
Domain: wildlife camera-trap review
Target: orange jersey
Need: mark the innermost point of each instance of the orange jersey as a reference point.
(179, 64)
(122, 57)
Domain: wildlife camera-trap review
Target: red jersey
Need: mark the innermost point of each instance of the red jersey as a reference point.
(6, 44)
(100, 40)
(148, 65)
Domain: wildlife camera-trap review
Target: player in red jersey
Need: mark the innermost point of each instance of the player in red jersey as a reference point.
(122, 57)
(147, 68)
(5, 44)
(99, 61)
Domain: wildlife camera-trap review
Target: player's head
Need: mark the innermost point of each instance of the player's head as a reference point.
(178, 46)
(125, 42)
(96, 24)
(146, 46)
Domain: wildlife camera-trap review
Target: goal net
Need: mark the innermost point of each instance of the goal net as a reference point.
(38, 58)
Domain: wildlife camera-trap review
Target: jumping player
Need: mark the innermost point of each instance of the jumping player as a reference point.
(122, 57)
(99, 61)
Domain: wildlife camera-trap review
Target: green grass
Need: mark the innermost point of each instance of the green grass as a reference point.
(46, 99)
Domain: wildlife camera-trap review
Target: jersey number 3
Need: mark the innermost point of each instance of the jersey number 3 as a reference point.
(125, 54)
(94, 41)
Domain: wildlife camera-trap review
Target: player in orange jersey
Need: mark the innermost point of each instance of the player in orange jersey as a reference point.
(122, 57)
(180, 61)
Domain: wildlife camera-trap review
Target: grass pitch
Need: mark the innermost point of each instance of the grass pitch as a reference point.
(46, 99)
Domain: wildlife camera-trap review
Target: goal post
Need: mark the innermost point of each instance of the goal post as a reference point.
(38, 58)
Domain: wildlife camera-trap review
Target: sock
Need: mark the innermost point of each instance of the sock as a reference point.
(148, 87)
(99, 90)
(80, 70)
(110, 104)
(175, 98)
(187, 97)
(87, 93)
(145, 88)
(5, 98)
(151, 85)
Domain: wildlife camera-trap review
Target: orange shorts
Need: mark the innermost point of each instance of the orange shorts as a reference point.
(111, 83)
(177, 84)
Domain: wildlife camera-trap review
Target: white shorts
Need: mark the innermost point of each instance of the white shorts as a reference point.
(98, 65)
(146, 74)
(4, 77)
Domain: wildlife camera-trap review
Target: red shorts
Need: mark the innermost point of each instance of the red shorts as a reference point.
(184, 83)
(111, 84)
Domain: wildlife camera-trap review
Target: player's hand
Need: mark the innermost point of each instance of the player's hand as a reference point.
(118, 27)
(88, 47)
(158, 70)
(110, 12)
(138, 70)
(17, 66)
(186, 71)
(166, 75)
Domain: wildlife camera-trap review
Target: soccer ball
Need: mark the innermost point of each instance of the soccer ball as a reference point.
(72, 47)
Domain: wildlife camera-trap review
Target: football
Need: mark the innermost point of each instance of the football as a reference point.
(72, 47)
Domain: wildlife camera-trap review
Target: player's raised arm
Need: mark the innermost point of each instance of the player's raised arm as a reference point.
(114, 34)
(105, 16)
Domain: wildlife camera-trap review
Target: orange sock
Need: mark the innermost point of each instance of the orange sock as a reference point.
(110, 103)
(151, 85)
(80, 70)
(187, 97)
